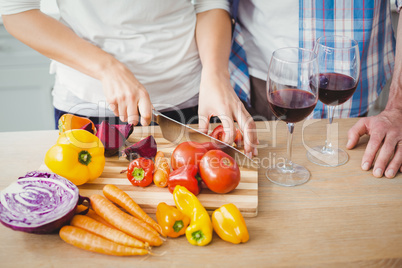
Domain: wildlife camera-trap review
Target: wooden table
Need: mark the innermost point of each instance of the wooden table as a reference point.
(342, 217)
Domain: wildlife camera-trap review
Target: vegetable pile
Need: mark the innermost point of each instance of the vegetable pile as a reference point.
(115, 224)
(38, 203)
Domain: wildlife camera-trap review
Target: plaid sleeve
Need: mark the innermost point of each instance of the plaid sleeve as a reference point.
(398, 4)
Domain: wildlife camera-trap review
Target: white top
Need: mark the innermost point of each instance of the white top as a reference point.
(154, 38)
(283, 20)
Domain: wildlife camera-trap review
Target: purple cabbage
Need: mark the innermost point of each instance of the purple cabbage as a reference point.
(39, 202)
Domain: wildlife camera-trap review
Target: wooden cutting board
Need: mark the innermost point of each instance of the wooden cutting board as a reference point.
(245, 196)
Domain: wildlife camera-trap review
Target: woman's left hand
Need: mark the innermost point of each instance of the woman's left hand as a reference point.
(217, 98)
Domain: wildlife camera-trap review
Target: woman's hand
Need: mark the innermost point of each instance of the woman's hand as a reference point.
(217, 98)
(127, 97)
(385, 132)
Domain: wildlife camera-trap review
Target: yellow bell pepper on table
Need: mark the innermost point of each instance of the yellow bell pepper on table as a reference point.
(200, 230)
(77, 155)
(229, 224)
(173, 222)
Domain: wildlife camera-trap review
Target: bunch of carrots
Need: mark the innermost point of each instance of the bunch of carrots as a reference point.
(109, 230)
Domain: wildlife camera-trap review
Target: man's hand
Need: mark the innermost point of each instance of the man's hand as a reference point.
(385, 142)
(217, 98)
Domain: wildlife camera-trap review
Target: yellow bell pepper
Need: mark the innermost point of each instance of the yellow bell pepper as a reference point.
(77, 155)
(173, 222)
(229, 224)
(70, 121)
(200, 230)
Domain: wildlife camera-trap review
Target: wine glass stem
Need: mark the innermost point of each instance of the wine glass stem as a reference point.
(328, 143)
(288, 162)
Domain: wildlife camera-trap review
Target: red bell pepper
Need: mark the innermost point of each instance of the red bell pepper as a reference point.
(186, 176)
(139, 172)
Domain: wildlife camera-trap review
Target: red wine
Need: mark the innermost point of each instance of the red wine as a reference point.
(291, 105)
(336, 88)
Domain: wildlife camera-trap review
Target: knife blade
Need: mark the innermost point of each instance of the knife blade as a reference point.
(177, 132)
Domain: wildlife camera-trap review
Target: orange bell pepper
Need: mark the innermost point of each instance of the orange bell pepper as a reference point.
(70, 121)
(173, 222)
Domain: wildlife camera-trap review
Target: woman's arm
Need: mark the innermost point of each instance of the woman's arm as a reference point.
(217, 97)
(56, 41)
(385, 129)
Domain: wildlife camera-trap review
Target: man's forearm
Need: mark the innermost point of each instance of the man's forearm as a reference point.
(395, 93)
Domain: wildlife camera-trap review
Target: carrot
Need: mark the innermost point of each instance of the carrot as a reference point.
(116, 195)
(112, 234)
(162, 170)
(92, 214)
(88, 241)
(122, 221)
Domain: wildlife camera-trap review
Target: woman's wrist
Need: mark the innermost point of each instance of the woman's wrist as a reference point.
(213, 72)
(108, 64)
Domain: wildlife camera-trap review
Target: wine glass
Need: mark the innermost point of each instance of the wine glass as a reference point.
(292, 91)
(339, 65)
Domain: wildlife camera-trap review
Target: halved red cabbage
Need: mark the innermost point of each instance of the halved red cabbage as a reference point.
(39, 202)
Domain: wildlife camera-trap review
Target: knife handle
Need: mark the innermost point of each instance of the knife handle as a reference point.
(155, 115)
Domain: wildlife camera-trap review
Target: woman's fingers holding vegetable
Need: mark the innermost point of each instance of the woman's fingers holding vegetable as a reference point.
(228, 126)
(226, 119)
(217, 98)
(203, 122)
(248, 127)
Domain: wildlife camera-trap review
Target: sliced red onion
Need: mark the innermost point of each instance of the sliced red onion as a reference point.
(39, 202)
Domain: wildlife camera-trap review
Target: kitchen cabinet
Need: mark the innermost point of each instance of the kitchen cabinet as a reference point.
(25, 87)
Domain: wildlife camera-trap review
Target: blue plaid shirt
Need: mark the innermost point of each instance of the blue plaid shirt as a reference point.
(369, 23)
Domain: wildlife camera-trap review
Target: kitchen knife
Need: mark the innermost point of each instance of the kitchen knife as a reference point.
(177, 132)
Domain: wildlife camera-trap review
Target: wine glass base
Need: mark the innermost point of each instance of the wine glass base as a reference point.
(333, 158)
(280, 176)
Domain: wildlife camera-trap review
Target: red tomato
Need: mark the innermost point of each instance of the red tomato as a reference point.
(219, 172)
(187, 153)
(219, 134)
